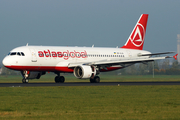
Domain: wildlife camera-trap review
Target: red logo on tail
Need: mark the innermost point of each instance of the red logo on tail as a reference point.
(136, 39)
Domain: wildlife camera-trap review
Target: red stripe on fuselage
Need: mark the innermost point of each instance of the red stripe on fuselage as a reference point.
(52, 68)
(40, 68)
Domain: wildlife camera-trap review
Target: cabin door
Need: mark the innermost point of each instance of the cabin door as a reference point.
(33, 55)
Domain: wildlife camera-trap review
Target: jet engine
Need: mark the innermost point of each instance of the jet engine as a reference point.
(84, 71)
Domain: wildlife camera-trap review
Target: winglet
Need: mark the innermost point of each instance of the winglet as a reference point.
(175, 56)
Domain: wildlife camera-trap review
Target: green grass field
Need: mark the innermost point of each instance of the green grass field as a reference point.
(91, 102)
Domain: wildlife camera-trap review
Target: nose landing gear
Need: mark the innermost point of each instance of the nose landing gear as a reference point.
(24, 80)
(25, 75)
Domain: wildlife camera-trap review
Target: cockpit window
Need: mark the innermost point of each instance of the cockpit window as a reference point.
(16, 53)
(22, 54)
(13, 53)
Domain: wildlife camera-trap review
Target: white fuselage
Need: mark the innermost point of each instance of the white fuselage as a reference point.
(50, 58)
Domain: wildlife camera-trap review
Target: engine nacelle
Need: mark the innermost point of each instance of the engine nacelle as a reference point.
(84, 71)
(32, 74)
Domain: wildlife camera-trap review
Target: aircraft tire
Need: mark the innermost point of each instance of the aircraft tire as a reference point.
(24, 80)
(96, 79)
(56, 79)
(91, 80)
(61, 79)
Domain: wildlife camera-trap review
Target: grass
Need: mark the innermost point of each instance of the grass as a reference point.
(91, 102)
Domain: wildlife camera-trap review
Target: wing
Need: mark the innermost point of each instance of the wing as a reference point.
(118, 61)
(140, 59)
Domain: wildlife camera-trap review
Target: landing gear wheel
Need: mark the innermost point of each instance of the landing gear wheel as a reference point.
(95, 80)
(59, 79)
(91, 80)
(25, 80)
(56, 79)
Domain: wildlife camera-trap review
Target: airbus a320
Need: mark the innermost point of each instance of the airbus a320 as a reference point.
(84, 62)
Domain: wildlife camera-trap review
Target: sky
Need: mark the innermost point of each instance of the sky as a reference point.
(104, 23)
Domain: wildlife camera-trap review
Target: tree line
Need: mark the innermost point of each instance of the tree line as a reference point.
(158, 67)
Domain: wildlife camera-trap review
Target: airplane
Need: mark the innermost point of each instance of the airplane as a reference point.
(84, 62)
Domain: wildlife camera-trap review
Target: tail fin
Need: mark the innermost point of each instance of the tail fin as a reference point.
(136, 39)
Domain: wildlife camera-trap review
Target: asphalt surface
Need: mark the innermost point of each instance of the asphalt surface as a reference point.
(86, 84)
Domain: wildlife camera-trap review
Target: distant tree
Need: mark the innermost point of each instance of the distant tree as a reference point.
(131, 70)
(173, 71)
(175, 64)
(142, 69)
(165, 64)
(150, 67)
(7, 72)
(162, 71)
(156, 65)
(121, 71)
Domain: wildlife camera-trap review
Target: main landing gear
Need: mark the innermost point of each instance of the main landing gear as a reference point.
(59, 79)
(96, 79)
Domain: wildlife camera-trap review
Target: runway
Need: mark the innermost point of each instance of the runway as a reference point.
(87, 84)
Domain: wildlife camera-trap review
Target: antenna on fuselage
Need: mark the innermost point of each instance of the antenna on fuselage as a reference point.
(27, 44)
(92, 45)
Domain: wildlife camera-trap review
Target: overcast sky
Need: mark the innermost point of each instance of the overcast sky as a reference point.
(104, 23)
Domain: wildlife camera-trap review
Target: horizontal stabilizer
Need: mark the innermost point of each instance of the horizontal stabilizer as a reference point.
(175, 56)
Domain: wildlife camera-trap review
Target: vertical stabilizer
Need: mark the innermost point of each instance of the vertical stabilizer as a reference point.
(136, 39)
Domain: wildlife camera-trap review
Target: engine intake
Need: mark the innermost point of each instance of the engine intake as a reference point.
(84, 72)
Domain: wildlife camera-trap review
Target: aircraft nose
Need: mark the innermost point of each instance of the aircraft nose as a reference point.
(6, 61)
